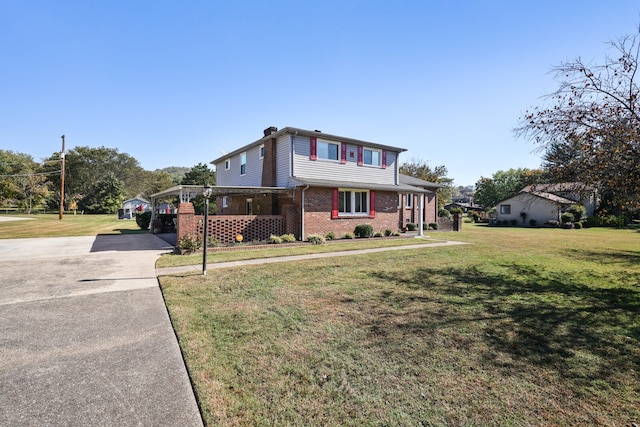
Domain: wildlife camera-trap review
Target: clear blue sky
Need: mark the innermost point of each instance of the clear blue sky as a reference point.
(173, 83)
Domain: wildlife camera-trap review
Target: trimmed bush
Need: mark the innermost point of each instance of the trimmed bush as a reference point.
(288, 238)
(363, 230)
(213, 242)
(411, 226)
(348, 235)
(190, 243)
(275, 239)
(330, 236)
(567, 217)
(433, 226)
(513, 222)
(143, 220)
(577, 225)
(552, 223)
(388, 232)
(579, 212)
(378, 234)
(532, 222)
(396, 234)
(316, 239)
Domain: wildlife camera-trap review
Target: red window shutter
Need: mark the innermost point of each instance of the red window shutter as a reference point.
(343, 154)
(372, 204)
(384, 159)
(334, 203)
(360, 155)
(313, 148)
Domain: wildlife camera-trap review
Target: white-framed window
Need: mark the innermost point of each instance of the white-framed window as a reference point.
(224, 202)
(262, 151)
(505, 209)
(243, 163)
(353, 202)
(371, 157)
(408, 201)
(227, 164)
(328, 150)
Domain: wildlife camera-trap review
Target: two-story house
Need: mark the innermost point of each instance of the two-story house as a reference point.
(334, 183)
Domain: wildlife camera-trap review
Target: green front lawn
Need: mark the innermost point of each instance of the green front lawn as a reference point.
(50, 225)
(523, 327)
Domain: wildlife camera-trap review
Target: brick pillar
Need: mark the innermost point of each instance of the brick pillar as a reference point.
(186, 220)
(457, 222)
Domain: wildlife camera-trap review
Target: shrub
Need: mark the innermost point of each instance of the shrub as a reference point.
(213, 242)
(190, 243)
(475, 216)
(388, 232)
(143, 220)
(614, 221)
(378, 234)
(433, 226)
(330, 236)
(577, 225)
(456, 211)
(505, 222)
(288, 238)
(532, 222)
(396, 234)
(275, 239)
(363, 230)
(567, 217)
(578, 212)
(348, 235)
(411, 226)
(316, 239)
(552, 223)
(513, 222)
(443, 213)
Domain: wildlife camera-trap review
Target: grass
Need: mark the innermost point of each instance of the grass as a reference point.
(524, 327)
(49, 225)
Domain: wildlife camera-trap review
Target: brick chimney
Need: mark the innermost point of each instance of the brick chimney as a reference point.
(270, 130)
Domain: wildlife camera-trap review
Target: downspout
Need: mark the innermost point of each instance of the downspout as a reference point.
(302, 211)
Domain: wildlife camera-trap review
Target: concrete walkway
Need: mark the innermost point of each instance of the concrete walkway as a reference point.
(210, 266)
(85, 338)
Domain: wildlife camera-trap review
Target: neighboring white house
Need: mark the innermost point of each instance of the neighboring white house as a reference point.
(131, 206)
(545, 202)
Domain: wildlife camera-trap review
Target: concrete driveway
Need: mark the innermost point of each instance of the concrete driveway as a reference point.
(85, 338)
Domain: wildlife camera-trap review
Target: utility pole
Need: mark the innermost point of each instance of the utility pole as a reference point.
(62, 181)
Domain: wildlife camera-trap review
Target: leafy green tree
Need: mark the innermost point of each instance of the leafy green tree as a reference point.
(87, 166)
(200, 174)
(22, 181)
(105, 197)
(504, 184)
(419, 168)
(590, 127)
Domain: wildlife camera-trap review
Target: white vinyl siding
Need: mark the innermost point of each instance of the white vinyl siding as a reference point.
(233, 177)
(304, 167)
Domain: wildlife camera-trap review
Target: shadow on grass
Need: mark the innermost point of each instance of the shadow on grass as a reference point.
(585, 333)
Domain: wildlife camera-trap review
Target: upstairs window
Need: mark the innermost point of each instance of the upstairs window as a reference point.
(262, 151)
(328, 150)
(227, 164)
(371, 157)
(243, 164)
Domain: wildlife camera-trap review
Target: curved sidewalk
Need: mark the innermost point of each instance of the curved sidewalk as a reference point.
(210, 266)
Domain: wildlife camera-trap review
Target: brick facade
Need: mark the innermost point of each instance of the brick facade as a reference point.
(225, 228)
(317, 213)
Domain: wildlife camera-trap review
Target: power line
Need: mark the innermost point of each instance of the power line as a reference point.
(30, 174)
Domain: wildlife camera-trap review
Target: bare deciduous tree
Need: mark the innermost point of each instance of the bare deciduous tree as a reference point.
(590, 130)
